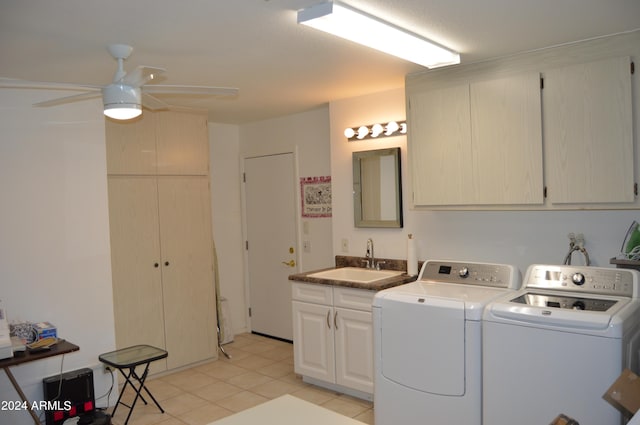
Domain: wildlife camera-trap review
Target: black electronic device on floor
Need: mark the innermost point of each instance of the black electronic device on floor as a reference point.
(69, 395)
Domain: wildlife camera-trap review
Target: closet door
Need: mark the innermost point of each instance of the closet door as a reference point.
(187, 269)
(182, 143)
(131, 145)
(135, 259)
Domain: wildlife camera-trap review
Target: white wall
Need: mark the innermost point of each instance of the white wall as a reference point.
(516, 237)
(54, 233)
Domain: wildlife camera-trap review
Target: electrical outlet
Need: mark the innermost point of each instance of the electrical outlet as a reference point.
(345, 245)
(306, 246)
(106, 369)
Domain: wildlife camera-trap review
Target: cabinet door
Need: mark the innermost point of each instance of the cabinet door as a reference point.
(182, 143)
(506, 123)
(440, 146)
(135, 258)
(354, 349)
(187, 269)
(588, 132)
(131, 145)
(313, 345)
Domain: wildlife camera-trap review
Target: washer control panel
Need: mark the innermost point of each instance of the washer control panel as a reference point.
(469, 273)
(593, 280)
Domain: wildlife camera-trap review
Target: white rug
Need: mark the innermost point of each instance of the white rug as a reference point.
(287, 410)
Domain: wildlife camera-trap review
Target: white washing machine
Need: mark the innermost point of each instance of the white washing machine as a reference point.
(427, 343)
(558, 344)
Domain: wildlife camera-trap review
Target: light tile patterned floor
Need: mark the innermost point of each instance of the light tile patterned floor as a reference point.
(260, 369)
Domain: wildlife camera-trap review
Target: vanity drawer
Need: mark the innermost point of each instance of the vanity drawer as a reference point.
(312, 293)
(356, 299)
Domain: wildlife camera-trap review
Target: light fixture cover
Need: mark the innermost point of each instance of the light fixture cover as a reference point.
(121, 102)
(341, 20)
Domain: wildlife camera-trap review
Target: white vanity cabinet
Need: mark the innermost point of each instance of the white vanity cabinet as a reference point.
(333, 337)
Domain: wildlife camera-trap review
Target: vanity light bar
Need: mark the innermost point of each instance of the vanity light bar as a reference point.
(392, 128)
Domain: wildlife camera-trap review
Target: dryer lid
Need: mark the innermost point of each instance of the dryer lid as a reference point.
(472, 299)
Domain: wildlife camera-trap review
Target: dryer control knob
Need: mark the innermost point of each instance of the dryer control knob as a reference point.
(578, 278)
(463, 272)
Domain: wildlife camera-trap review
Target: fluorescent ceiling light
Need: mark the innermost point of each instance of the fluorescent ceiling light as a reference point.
(346, 22)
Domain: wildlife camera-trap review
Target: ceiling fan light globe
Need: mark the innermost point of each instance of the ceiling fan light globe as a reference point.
(123, 111)
(121, 102)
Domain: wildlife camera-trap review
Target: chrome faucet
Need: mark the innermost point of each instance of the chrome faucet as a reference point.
(371, 260)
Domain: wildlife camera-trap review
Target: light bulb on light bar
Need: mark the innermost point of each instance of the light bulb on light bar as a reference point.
(343, 21)
(363, 132)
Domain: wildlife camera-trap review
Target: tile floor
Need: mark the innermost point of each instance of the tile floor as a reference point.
(260, 369)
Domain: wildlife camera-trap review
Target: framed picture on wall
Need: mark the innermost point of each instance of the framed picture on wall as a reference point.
(315, 193)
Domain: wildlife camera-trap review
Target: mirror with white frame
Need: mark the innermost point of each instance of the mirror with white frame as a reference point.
(377, 189)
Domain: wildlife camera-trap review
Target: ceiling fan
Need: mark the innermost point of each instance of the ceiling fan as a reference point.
(124, 97)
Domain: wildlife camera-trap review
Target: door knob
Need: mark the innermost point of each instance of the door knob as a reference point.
(290, 263)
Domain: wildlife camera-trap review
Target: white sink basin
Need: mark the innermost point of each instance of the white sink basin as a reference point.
(355, 274)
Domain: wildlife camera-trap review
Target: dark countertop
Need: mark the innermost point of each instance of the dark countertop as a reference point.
(379, 285)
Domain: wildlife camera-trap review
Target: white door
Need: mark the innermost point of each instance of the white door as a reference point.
(270, 210)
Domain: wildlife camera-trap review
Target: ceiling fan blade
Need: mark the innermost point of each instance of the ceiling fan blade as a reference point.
(206, 90)
(14, 83)
(68, 99)
(142, 75)
(153, 103)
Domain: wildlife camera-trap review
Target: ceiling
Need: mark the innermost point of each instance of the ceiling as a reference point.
(279, 66)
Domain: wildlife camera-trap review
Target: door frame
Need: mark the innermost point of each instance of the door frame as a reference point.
(245, 236)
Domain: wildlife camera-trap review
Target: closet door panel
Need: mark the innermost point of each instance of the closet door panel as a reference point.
(187, 269)
(135, 254)
(183, 144)
(131, 145)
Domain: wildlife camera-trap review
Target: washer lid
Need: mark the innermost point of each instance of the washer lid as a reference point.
(564, 301)
(562, 310)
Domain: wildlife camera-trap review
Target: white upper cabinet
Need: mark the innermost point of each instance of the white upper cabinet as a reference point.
(551, 129)
(477, 143)
(589, 133)
(440, 146)
(506, 135)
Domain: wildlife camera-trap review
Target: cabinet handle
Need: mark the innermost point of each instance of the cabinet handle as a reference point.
(156, 265)
(335, 320)
(166, 263)
(328, 316)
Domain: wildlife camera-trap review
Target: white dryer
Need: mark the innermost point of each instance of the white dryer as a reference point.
(558, 344)
(427, 343)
